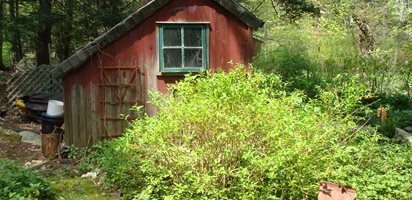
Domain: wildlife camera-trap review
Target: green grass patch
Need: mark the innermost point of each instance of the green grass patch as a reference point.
(8, 137)
(77, 188)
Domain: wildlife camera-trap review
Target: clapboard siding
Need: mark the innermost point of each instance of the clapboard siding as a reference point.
(229, 39)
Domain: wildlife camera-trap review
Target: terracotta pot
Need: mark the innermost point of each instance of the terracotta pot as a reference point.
(334, 191)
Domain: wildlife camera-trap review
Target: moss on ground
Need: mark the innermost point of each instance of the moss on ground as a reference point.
(9, 137)
(78, 188)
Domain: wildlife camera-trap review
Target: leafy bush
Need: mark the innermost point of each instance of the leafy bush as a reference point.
(343, 96)
(388, 127)
(404, 117)
(290, 58)
(397, 101)
(19, 183)
(238, 136)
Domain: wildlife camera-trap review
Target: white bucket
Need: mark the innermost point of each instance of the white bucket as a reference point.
(55, 108)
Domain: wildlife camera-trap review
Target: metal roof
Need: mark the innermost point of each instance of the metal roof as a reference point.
(81, 56)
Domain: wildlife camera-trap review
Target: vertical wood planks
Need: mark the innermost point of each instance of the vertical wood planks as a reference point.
(83, 118)
(75, 117)
(68, 137)
(229, 39)
(82, 126)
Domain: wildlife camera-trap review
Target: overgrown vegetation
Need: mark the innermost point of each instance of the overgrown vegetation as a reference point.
(77, 188)
(238, 136)
(19, 183)
(367, 40)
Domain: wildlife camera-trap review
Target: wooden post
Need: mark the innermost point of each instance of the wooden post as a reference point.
(50, 143)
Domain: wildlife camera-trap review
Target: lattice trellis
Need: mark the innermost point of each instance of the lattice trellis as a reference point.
(32, 80)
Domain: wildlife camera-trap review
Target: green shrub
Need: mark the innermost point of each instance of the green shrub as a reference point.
(238, 136)
(388, 127)
(290, 58)
(404, 118)
(397, 101)
(19, 183)
(6, 54)
(343, 97)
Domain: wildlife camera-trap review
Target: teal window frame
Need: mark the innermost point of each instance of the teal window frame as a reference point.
(183, 69)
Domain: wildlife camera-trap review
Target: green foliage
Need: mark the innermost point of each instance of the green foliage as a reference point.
(291, 59)
(378, 168)
(76, 153)
(238, 136)
(293, 10)
(19, 183)
(117, 162)
(388, 127)
(404, 117)
(343, 96)
(397, 101)
(6, 55)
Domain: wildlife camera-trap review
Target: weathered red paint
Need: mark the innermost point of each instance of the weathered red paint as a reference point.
(229, 40)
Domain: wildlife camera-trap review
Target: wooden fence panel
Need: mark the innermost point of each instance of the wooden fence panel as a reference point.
(32, 80)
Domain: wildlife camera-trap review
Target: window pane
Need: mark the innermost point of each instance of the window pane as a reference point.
(193, 58)
(193, 37)
(172, 37)
(172, 58)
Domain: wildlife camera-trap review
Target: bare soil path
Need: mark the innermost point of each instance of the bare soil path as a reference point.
(10, 145)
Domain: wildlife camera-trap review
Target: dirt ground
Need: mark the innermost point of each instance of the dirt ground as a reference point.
(10, 145)
(13, 121)
(64, 178)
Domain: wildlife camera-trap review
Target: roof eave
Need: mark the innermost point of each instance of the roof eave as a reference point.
(81, 56)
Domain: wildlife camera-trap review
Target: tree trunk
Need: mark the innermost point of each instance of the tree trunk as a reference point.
(64, 35)
(18, 35)
(2, 67)
(15, 32)
(44, 33)
(366, 39)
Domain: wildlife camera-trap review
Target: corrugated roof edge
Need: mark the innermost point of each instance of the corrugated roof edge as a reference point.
(81, 56)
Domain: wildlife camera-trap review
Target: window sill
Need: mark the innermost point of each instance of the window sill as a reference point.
(175, 73)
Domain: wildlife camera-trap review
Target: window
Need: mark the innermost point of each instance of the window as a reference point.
(182, 47)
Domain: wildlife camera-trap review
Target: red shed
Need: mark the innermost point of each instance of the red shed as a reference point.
(151, 48)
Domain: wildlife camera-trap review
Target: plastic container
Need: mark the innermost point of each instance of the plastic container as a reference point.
(48, 123)
(55, 108)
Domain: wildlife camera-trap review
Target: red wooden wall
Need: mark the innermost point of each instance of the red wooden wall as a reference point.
(229, 40)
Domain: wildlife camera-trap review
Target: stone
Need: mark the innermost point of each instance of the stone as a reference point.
(92, 175)
(30, 137)
(65, 161)
(35, 164)
(408, 129)
(404, 136)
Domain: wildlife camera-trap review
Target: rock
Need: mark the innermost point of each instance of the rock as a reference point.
(92, 175)
(65, 161)
(35, 164)
(30, 137)
(408, 129)
(404, 136)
